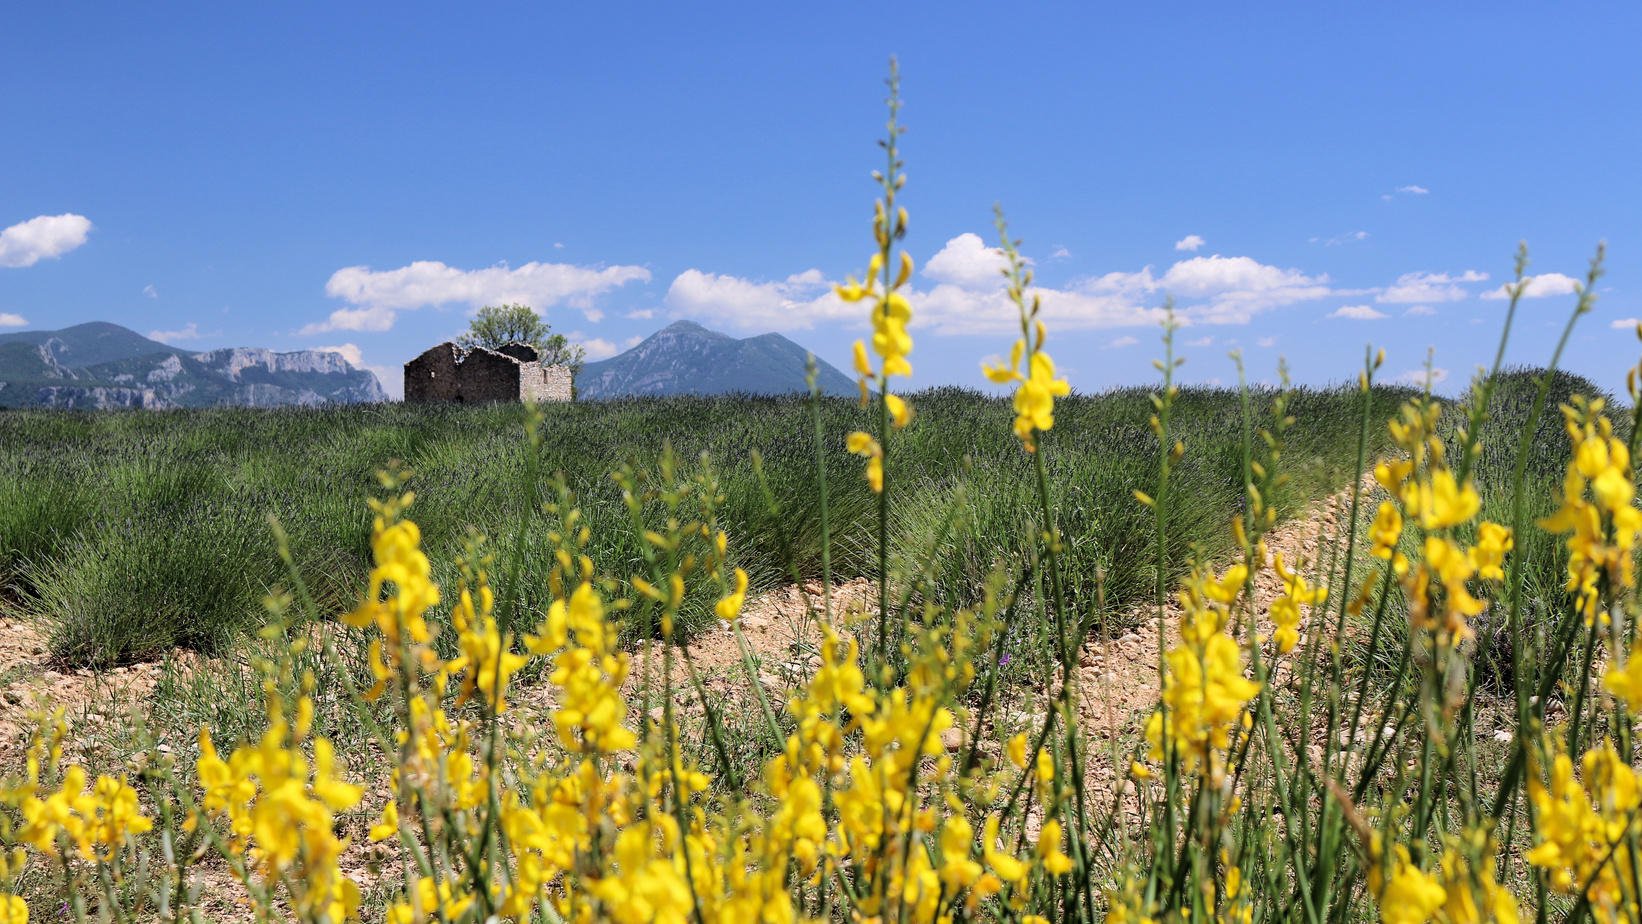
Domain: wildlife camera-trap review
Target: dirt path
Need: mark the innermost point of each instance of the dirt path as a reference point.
(1117, 682)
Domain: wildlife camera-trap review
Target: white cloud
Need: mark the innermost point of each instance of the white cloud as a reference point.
(428, 282)
(967, 262)
(599, 348)
(950, 309)
(1357, 313)
(1539, 287)
(798, 302)
(347, 351)
(1416, 377)
(593, 315)
(1418, 310)
(1266, 342)
(641, 314)
(1200, 342)
(557, 246)
(969, 296)
(392, 381)
(1416, 190)
(27, 243)
(1230, 290)
(12, 320)
(190, 331)
(1121, 342)
(360, 319)
(1344, 238)
(1429, 287)
(1189, 242)
(151, 292)
(1061, 253)
(1237, 288)
(1621, 324)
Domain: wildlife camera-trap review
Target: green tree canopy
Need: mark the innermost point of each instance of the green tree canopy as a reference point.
(495, 325)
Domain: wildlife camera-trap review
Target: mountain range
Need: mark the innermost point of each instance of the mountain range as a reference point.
(101, 365)
(686, 358)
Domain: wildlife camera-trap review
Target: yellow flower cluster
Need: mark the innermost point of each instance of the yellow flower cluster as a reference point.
(1037, 388)
(1586, 833)
(590, 672)
(891, 313)
(1205, 694)
(1597, 508)
(1035, 395)
(1462, 890)
(1285, 610)
(96, 823)
(1406, 893)
(1427, 493)
(402, 567)
(280, 809)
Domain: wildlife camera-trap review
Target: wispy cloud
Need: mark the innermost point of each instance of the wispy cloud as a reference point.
(1415, 190)
(1540, 286)
(1621, 324)
(1417, 377)
(379, 295)
(151, 292)
(1266, 342)
(1190, 242)
(1429, 287)
(1122, 342)
(1060, 253)
(1345, 238)
(1357, 313)
(190, 331)
(373, 320)
(640, 314)
(1419, 310)
(8, 319)
(27, 243)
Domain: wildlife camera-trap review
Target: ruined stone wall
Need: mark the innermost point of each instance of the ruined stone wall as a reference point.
(432, 376)
(485, 376)
(549, 383)
(509, 373)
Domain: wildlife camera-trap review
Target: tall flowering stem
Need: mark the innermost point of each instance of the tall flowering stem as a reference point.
(1032, 372)
(887, 273)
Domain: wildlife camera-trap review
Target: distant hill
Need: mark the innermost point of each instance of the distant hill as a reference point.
(88, 344)
(686, 358)
(101, 365)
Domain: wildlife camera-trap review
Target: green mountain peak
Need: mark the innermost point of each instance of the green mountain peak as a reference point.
(686, 358)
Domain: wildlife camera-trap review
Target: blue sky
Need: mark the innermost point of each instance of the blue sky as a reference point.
(1303, 178)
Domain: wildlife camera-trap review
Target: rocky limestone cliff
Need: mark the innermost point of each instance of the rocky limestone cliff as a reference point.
(45, 369)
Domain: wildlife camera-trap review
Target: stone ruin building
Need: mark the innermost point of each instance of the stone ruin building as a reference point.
(511, 372)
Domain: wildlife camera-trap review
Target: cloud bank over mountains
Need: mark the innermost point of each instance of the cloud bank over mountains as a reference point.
(378, 295)
(960, 290)
(967, 294)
